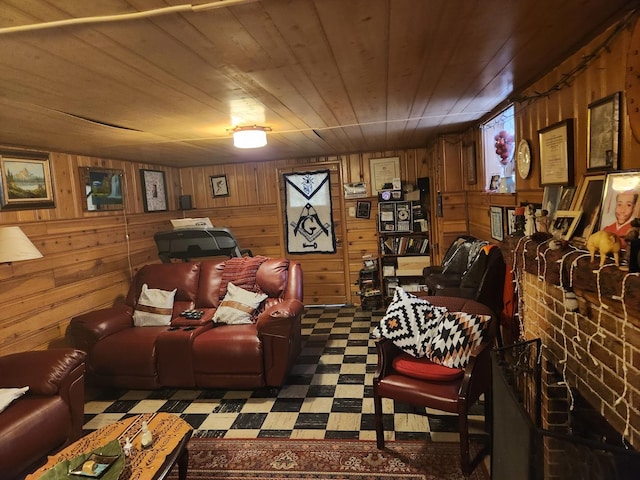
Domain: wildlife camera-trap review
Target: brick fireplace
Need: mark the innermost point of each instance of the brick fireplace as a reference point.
(595, 349)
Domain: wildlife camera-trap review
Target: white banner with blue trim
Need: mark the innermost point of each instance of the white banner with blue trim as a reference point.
(308, 214)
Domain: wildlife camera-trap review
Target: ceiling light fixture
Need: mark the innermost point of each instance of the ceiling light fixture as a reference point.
(250, 137)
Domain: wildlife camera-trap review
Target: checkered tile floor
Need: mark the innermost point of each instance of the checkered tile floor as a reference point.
(327, 395)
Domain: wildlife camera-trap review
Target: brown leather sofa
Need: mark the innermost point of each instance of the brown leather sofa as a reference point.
(49, 416)
(195, 353)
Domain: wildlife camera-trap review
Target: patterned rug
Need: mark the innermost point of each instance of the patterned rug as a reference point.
(291, 459)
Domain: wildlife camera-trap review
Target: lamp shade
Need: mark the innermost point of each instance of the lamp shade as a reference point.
(15, 246)
(250, 137)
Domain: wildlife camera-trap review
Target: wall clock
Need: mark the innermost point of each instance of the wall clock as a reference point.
(523, 160)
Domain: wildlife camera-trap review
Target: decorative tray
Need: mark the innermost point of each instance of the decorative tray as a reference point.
(108, 463)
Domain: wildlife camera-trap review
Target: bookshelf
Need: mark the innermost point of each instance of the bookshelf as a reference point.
(404, 245)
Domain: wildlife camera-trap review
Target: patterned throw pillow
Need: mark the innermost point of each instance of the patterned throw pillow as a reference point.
(457, 336)
(410, 323)
(154, 307)
(238, 306)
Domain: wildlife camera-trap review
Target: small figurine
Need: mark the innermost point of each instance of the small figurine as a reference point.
(556, 242)
(127, 447)
(604, 242)
(542, 221)
(530, 220)
(146, 438)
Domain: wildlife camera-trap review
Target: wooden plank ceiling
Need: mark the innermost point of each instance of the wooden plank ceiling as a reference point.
(327, 76)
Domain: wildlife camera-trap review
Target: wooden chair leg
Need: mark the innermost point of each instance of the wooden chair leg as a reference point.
(377, 409)
(465, 459)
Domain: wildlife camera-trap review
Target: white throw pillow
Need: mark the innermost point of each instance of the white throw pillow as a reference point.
(8, 395)
(154, 308)
(238, 306)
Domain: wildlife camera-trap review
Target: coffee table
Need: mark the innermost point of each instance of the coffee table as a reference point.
(171, 437)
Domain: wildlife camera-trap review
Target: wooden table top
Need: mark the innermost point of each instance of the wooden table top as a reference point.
(170, 434)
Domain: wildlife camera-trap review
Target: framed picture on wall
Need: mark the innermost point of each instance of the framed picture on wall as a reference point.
(511, 220)
(101, 189)
(154, 190)
(604, 133)
(219, 186)
(363, 209)
(25, 181)
(383, 172)
(556, 153)
(497, 230)
(469, 153)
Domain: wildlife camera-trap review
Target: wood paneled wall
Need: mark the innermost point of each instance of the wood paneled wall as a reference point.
(361, 234)
(602, 77)
(89, 257)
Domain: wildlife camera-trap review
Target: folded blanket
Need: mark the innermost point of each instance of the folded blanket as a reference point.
(241, 271)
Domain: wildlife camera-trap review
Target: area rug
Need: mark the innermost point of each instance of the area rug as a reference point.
(273, 458)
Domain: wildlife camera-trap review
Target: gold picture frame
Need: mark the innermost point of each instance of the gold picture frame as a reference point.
(25, 181)
(383, 172)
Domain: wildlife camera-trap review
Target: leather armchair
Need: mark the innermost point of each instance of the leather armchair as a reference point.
(454, 396)
(482, 281)
(49, 416)
(455, 259)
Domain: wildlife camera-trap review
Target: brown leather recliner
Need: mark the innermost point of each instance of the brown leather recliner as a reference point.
(49, 416)
(196, 353)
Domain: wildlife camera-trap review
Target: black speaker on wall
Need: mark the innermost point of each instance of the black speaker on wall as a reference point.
(185, 202)
(423, 184)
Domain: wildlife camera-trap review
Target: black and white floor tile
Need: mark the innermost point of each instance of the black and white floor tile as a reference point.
(327, 395)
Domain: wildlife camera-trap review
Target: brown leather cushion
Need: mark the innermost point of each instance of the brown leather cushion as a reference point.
(31, 427)
(425, 369)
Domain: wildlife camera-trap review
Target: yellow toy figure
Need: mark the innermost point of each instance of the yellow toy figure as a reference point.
(604, 242)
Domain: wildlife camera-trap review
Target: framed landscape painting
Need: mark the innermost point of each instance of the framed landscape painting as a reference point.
(25, 181)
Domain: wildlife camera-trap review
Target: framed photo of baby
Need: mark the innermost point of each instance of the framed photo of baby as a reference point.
(620, 203)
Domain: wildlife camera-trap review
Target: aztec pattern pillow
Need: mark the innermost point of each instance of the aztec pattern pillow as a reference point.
(457, 335)
(154, 308)
(410, 323)
(238, 306)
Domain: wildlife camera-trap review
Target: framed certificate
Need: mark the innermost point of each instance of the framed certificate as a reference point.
(556, 153)
(383, 171)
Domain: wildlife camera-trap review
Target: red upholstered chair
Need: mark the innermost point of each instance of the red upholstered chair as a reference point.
(450, 390)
